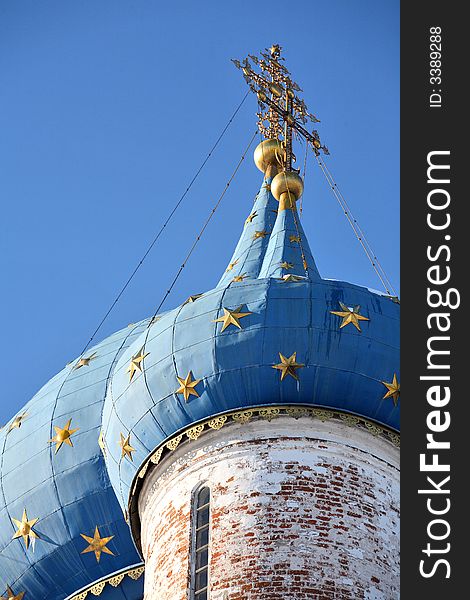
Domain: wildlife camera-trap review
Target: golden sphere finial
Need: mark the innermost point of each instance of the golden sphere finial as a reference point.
(269, 156)
(287, 187)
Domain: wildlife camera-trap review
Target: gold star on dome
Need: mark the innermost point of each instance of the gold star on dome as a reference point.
(63, 436)
(260, 234)
(292, 277)
(286, 265)
(135, 363)
(85, 361)
(250, 218)
(192, 299)
(17, 421)
(126, 448)
(349, 316)
(187, 386)
(240, 277)
(288, 366)
(153, 320)
(267, 187)
(25, 529)
(11, 595)
(231, 317)
(97, 544)
(393, 389)
(294, 239)
(231, 265)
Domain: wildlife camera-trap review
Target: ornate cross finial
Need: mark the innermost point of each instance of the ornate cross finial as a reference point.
(282, 112)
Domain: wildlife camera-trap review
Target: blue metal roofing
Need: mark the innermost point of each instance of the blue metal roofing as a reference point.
(69, 492)
(248, 254)
(344, 367)
(75, 490)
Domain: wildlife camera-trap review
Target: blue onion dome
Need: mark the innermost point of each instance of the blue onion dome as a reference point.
(271, 337)
(61, 527)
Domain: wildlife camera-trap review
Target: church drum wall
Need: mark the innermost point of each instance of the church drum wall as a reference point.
(299, 509)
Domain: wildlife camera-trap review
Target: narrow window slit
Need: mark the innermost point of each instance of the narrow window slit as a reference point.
(200, 545)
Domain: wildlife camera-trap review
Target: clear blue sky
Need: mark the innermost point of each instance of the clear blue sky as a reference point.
(107, 108)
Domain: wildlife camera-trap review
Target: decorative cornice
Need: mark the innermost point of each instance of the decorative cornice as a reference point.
(96, 588)
(268, 413)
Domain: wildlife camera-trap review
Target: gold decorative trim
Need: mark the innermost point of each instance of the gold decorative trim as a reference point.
(196, 431)
(218, 422)
(157, 456)
(296, 412)
(193, 432)
(114, 580)
(242, 417)
(174, 442)
(350, 419)
(136, 573)
(268, 413)
(323, 415)
(98, 588)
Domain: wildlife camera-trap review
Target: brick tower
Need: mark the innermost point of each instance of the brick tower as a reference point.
(298, 508)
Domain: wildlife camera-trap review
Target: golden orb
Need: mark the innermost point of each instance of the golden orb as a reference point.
(276, 89)
(268, 156)
(287, 187)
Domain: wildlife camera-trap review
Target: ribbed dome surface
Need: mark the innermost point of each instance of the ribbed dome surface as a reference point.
(270, 306)
(68, 491)
(343, 367)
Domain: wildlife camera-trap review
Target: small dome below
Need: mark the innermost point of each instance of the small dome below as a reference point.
(55, 493)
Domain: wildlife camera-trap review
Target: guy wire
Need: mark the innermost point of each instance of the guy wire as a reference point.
(147, 252)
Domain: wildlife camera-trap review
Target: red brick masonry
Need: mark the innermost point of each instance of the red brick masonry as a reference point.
(300, 509)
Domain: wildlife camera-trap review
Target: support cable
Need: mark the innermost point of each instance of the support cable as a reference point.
(357, 230)
(301, 202)
(198, 237)
(152, 244)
